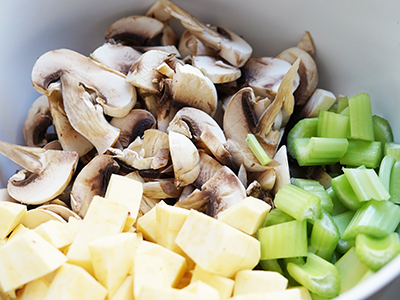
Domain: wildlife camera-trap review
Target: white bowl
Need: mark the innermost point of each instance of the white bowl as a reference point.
(357, 46)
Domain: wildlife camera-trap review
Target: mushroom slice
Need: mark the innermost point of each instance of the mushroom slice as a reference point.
(208, 167)
(229, 45)
(161, 189)
(255, 190)
(264, 75)
(185, 159)
(158, 11)
(85, 117)
(61, 210)
(111, 91)
(68, 137)
(134, 31)
(46, 172)
(92, 180)
(154, 141)
(266, 178)
(166, 109)
(307, 71)
(282, 171)
(116, 57)
(36, 123)
(161, 159)
(197, 200)
(150, 101)
(242, 175)
(192, 88)
(34, 217)
(5, 196)
(307, 43)
(170, 49)
(54, 145)
(215, 69)
(189, 45)
(133, 125)
(168, 36)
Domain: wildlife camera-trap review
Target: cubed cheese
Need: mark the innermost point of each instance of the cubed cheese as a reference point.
(11, 215)
(258, 281)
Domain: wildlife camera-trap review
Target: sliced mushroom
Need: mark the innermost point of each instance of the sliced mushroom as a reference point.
(215, 69)
(242, 175)
(282, 171)
(170, 49)
(85, 117)
(161, 159)
(133, 125)
(61, 210)
(189, 45)
(154, 141)
(161, 189)
(53, 145)
(116, 57)
(307, 43)
(168, 36)
(37, 121)
(320, 100)
(150, 101)
(166, 109)
(108, 86)
(158, 11)
(265, 178)
(45, 175)
(92, 180)
(197, 200)
(229, 45)
(34, 217)
(255, 190)
(208, 167)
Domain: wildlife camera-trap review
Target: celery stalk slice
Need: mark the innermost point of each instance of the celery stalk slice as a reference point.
(287, 239)
(342, 221)
(376, 218)
(366, 184)
(394, 188)
(385, 171)
(345, 193)
(277, 216)
(377, 252)
(361, 153)
(343, 102)
(332, 125)
(257, 149)
(305, 128)
(338, 207)
(382, 130)
(393, 149)
(345, 112)
(271, 265)
(318, 275)
(361, 124)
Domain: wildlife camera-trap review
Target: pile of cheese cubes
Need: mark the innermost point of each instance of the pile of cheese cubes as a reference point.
(168, 253)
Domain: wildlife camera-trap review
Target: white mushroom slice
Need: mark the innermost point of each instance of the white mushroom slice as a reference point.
(170, 49)
(215, 69)
(186, 191)
(229, 45)
(36, 123)
(85, 117)
(168, 36)
(166, 70)
(154, 141)
(161, 159)
(134, 30)
(166, 108)
(185, 159)
(161, 189)
(5, 196)
(266, 178)
(242, 175)
(208, 167)
(116, 57)
(320, 100)
(158, 11)
(61, 210)
(260, 106)
(255, 190)
(189, 45)
(111, 91)
(264, 75)
(150, 101)
(197, 200)
(68, 137)
(92, 180)
(46, 172)
(307, 43)
(191, 87)
(307, 71)
(147, 204)
(34, 217)
(282, 171)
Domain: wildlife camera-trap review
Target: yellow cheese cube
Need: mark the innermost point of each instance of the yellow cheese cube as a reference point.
(223, 285)
(217, 247)
(203, 290)
(304, 292)
(127, 192)
(289, 294)
(124, 291)
(147, 225)
(164, 293)
(258, 281)
(3, 241)
(17, 231)
(56, 233)
(34, 290)
(246, 215)
(74, 224)
(112, 258)
(27, 257)
(73, 282)
(103, 218)
(11, 215)
(175, 264)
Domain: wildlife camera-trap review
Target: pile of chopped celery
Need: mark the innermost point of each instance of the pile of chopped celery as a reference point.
(330, 238)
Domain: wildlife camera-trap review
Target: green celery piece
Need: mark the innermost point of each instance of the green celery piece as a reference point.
(366, 184)
(287, 239)
(317, 297)
(271, 265)
(345, 193)
(333, 108)
(361, 124)
(377, 252)
(393, 149)
(257, 149)
(296, 260)
(277, 216)
(342, 221)
(345, 112)
(376, 218)
(319, 151)
(394, 189)
(332, 125)
(305, 128)
(313, 186)
(385, 171)
(338, 207)
(324, 236)
(361, 153)
(351, 270)
(343, 102)
(382, 130)
(317, 275)
(298, 203)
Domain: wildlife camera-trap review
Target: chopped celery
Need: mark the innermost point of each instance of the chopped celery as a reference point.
(332, 125)
(361, 124)
(351, 270)
(318, 275)
(271, 265)
(324, 236)
(338, 207)
(298, 203)
(277, 216)
(394, 189)
(382, 130)
(385, 171)
(366, 184)
(377, 252)
(287, 239)
(345, 111)
(342, 221)
(257, 149)
(319, 151)
(393, 149)
(305, 128)
(345, 193)
(376, 218)
(361, 153)
(343, 102)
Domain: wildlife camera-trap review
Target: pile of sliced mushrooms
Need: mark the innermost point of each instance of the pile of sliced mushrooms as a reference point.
(170, 112)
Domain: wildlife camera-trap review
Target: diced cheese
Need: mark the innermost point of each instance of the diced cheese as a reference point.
(258, 281)
(164, 293)
(17, 231)
(147, 225)
(203, 290)
(124, 291)
(34, 290)
(11, 215)
(56, 233)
